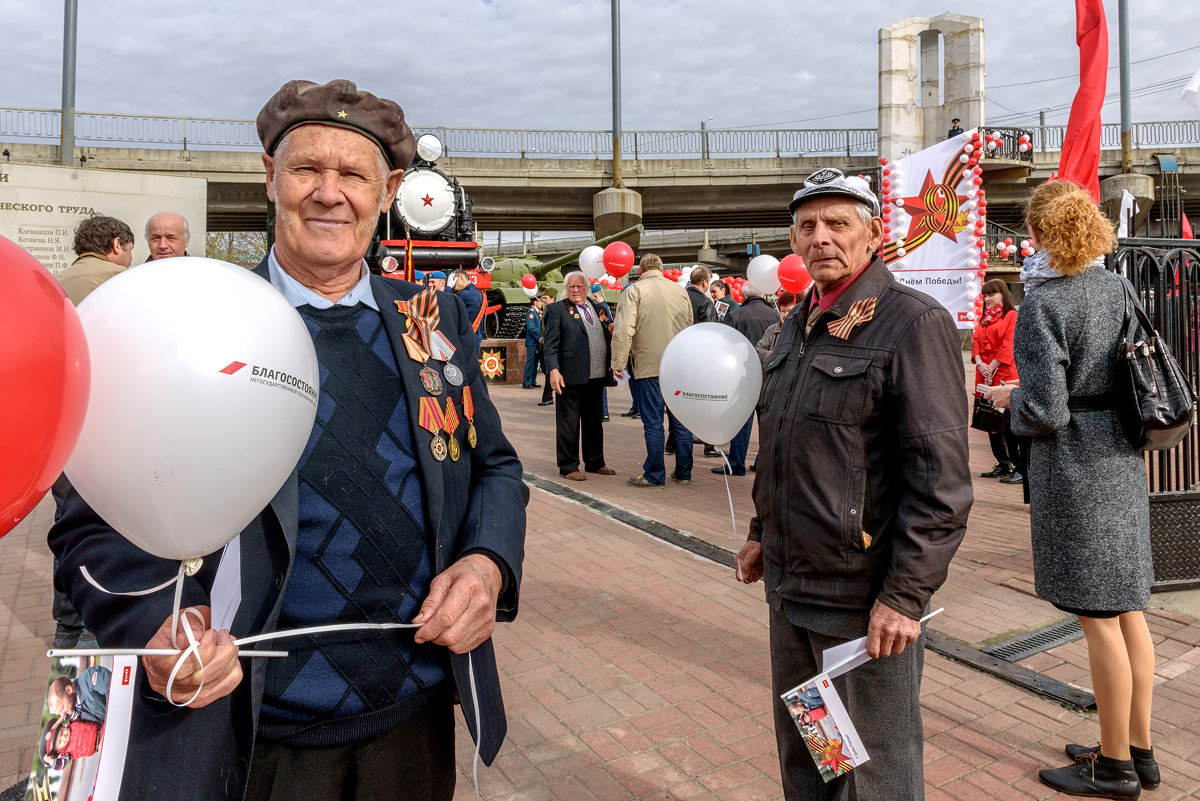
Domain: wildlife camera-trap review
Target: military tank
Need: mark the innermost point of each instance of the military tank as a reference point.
(506, 298)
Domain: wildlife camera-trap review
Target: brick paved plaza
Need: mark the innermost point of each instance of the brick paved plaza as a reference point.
(639, 670)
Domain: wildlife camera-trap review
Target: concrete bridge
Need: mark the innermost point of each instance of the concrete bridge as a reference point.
(545, 180)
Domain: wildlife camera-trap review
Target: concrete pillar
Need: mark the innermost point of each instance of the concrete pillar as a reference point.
(962, 46)
(931, 105)
(910, 117)
(1114, 188)
(614, 210)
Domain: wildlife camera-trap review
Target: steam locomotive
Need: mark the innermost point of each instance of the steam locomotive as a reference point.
(428, 226)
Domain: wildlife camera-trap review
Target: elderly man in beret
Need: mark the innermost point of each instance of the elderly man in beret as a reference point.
(407, 506)
(862, 490)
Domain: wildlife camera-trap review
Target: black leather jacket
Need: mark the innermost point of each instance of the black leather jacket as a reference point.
(863, 486)
(703, 310)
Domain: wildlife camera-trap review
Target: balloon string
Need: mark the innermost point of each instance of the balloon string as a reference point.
(193, 644)
(732, 516)
(275, 635)
(88, 576)
(478, 730)
(193, 650)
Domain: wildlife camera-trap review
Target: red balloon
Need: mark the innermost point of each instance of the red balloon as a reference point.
(46, 375)
(528, 281)
(618, 259)
(792, 275)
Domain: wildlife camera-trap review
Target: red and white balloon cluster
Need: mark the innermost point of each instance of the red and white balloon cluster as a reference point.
(891, 176)
(977, 217)
(615, 260)
(1008, 248)
(735, 284)
(1024, 143)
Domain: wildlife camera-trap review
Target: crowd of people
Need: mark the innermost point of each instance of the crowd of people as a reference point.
(861, 495)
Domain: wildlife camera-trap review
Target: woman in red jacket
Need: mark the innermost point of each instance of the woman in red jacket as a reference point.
(992, 354)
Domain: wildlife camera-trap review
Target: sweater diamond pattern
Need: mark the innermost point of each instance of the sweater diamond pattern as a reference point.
(362, 552)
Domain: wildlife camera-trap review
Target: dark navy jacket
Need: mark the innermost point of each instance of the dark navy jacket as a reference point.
(475, 503)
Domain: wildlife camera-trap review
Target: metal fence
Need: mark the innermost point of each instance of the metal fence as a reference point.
(123, 130)
(1166, 275)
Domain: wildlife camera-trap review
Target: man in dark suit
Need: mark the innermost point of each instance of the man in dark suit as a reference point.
(407, 505)
(578, 334)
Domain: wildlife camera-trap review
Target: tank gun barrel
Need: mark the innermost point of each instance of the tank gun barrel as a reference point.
(545, 269)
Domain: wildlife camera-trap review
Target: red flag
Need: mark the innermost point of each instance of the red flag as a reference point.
(1187, 225)
(1080, 158)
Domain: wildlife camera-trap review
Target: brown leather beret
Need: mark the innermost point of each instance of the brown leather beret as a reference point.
(339, 103)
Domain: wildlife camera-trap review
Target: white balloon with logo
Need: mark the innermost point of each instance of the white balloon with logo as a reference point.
(204, 391)
(710, 378)
(763, 273)
(591, 262)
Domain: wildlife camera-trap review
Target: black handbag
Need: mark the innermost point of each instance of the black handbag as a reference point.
(1155, 403)
(986, 417)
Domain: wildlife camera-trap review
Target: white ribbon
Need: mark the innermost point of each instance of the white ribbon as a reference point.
(190, 567)
(732, 517)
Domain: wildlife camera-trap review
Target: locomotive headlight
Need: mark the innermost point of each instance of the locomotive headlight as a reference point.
(429, 148)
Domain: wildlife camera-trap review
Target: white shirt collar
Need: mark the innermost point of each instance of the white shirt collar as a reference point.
(300, 295)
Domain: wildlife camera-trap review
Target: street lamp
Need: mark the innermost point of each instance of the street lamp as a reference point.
(704, 137)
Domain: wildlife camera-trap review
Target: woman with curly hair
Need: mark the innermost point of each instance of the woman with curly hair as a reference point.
(1089, 506)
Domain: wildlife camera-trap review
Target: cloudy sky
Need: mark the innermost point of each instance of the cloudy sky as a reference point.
(545, 63)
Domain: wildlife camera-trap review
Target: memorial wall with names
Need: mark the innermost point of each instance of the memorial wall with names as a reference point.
(40, 207)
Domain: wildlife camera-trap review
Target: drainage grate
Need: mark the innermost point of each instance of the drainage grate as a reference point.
(1056, 634)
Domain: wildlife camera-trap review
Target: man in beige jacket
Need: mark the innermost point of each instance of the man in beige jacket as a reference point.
(649, 314)
(104, 246)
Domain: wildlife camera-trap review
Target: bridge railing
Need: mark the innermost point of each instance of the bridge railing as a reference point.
(43, 126)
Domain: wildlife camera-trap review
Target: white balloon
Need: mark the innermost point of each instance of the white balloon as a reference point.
(591, 262)
(763, 273)
(204, 391)
(529, 292)
(710, 377)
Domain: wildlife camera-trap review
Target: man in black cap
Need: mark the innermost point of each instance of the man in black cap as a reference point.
(955, 129)
(862, 490)
(407, 505)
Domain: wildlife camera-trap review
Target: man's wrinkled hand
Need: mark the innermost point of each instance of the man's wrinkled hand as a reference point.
(747, 565)
(556, 381)
(460, 610)
(889, 632)
(218, 669)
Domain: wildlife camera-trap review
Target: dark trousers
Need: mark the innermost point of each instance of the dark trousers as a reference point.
(531, 362)
(412, 762)
(1004, 447)
(578, 411)
(740, 444)
(648, 396)
(69, 621)
(882, 697)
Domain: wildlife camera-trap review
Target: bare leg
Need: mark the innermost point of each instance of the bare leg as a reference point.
(1112, 683)
(1140, 649)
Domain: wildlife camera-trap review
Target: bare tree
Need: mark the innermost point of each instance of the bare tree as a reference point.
(246, 248)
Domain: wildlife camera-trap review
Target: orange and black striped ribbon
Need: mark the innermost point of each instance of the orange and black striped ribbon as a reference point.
(412, 337)
(451, 418)
(430, 415)
(860, 312)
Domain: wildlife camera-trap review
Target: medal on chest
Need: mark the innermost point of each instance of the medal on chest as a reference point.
(469, 413)
(451, 422)
(432, 420)
(454, 376)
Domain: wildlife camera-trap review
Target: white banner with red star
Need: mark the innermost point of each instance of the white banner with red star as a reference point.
(934, 222)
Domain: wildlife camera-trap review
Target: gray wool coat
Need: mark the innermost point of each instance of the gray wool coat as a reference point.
(1088, 499)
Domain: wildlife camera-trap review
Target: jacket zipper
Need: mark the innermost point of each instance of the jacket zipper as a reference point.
(780, 462)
